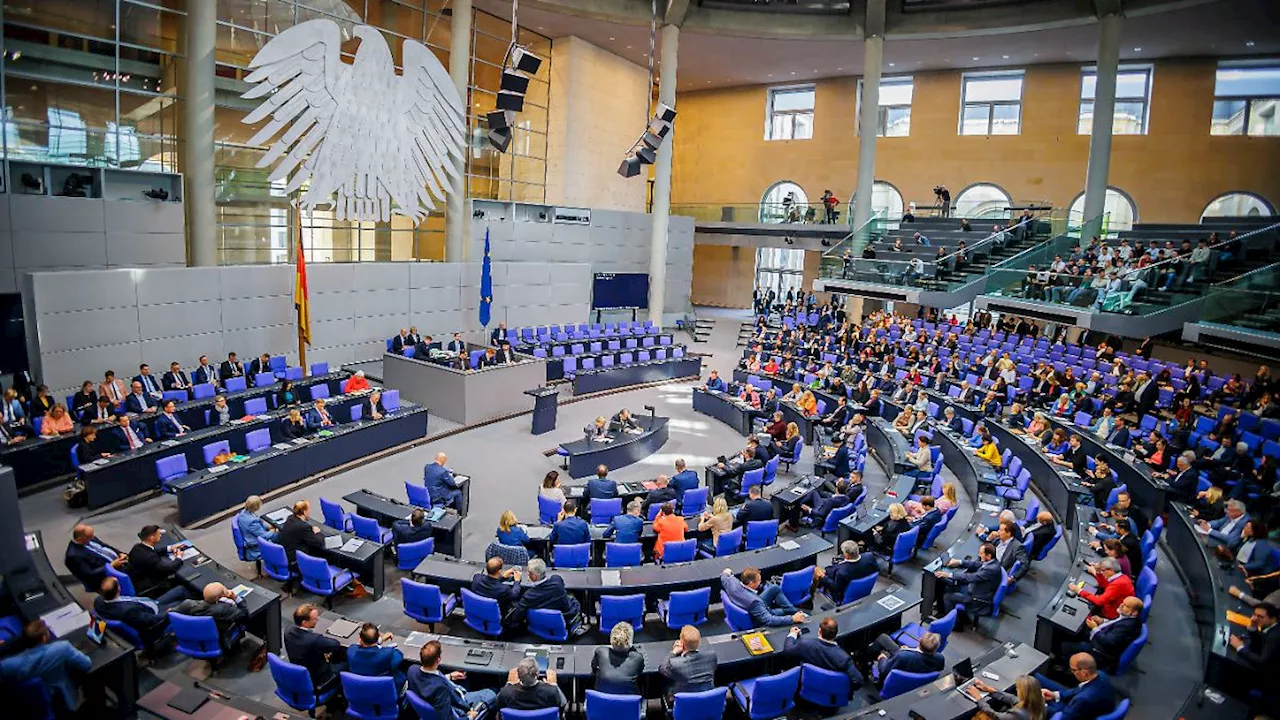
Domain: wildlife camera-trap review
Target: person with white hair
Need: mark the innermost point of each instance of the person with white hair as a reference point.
(540, 591)
(356, 383)
(524, 691)
(617, 668)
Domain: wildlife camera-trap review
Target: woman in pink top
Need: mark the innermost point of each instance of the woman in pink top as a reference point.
(56, 422)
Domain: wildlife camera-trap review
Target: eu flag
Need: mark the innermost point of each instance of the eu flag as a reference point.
(486, 283)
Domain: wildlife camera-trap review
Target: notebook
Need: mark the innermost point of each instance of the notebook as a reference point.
(756, 643)
(342, 629)
(188, 700)
(333, 542)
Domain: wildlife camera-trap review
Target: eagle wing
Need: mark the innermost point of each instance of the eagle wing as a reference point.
(433, 131)
(299, 72)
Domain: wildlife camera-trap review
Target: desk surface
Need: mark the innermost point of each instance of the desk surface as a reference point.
(362, 554)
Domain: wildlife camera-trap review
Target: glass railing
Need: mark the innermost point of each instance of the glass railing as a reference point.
(1249, 302)
(1066, 237)
(853, 243)
(814, 213)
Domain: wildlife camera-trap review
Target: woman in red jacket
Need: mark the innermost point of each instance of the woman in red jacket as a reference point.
(1113, 587)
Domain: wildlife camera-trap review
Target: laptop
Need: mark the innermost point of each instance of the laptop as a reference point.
(962, 671)
(342, 629)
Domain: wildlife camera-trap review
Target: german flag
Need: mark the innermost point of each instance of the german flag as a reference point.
(301, 302)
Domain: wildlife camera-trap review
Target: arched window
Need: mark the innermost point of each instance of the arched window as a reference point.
(1238, 204)
(1118, 205)
(784, 201)
(884, 197)
(982, 200)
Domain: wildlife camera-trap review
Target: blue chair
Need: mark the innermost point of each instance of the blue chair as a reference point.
(603, 510)
(235, 384)
(294, 686)
(623, 554)
(832, 523)
(256, 440)
(320, 390)
(371, 698)
(551, 713)
(126, 632)
(1157, 528)
(770, 468)
(264, 380)
(858, 589)
(33, 701)
(548, 625)
(793, 458)
(1131, 653)
(255, 406)
(203, 390)
(899, 682)
(334, 516)
(425, 603)
(178, 396)
(934, 533)
(654, 509)
(211, 451)
(481, 613)
(571, 556)
(197, 636)
(418, 495)
(824, 688)
(694, 502)
(910, 635)
(408, 555)
(391, 400)
(761, 533)
(749, 478)
(237, 539)
(548, 510)
(322, 578)
(904, 548)
(768, 696)
(683, 551)
(1122, 709)
(275, 561)
(1043, 552)
(368, 528)
(727, 544)
(126, 582)
(606, 706)
(170, 468)
(707, 705)
(686, 607)
(320, 368)
(737, 618)
(796, 585)
(614, 609)
(1147, 582)
(278, 364)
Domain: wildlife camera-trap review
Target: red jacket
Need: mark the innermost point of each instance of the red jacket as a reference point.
(1113, 593)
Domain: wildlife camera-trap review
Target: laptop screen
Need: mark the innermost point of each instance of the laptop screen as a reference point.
(963, 671)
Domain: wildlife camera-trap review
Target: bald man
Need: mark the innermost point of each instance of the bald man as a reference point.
(222, 605)
(1093, 696)
(1108, 639)
(441, 483)
(87, 557)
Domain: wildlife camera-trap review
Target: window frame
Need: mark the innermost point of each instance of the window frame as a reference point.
(1248, 100)
(772, 92)
(882, 108)
(991, 105)
(1086, 71)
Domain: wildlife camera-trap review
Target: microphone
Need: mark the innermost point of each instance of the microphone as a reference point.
(652, 411)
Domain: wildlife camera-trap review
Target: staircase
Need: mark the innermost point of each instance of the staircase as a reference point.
(979, 266)
(745, 331)
(699, 329)
(1153, 299)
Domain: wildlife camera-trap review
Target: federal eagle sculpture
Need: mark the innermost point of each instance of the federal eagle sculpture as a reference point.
(365, 141)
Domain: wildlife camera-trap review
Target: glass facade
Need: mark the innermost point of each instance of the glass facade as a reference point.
(99, 82)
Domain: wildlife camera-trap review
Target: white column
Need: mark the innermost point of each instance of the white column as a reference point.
(868, 122)
(201, 29)
(457, 216)
(662, 179)
(1104, 110)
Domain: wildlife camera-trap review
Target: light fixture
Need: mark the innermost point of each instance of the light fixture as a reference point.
(1137, 49)
(1248, 43)
(890, 64)
(1005, 57)
(975, 57)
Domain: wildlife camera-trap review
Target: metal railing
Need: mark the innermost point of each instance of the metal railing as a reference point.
(814, 213)
(1250, 301)
(873, 229)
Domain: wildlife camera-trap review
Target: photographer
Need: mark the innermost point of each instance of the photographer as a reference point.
(944, 199)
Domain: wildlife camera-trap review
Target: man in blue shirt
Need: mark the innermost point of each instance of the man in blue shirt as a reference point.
(371, 659)
(600, 487)
(626, 528)
(48, 661)
(684, 480)
(441, 483)
(569, 528)
(442, 692)
(714, 382)
(766, 605)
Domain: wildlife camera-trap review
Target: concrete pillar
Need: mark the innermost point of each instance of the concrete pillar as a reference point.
(457, 216)
(869, 110)
(1104, 110)
(201, 29)
(670, 36)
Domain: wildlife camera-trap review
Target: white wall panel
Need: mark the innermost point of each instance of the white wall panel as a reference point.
(179, 319)
(87, 329)
(241, 313)
(157, 286)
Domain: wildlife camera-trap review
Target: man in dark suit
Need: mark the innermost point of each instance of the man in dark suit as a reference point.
(151, 568)
(143, 615)
(100, 413)
(816, 505)
(206, 372)
(1010, 551)
(1035, 536)
(852, 565)
(569, 528)
(1137, 517)
(372, 409)
(1146, 394)
(219, 603)
(400, 342)
(320, 654)
(441, 483)
(689, 668)
(1262, 645)
(176, 378)
(923, 658)
(976, 583)
(874, 406)
(413, 529)
(497, 583)
(600, 487)
(661, 494)
(951, 422)
(319, 417)
(489, 358)
(1108, 639)
(126, 436)
(506, 354)
(754, 509)
(456, 345)
(150, 385)
(499, 335)
(260, 365)
(545, 592)
(1119, 434)
(1183, 484)
(628, 526)
(926, 522)
(842, 461)
(139, 400)
(1093, 697)
(299, 534)
(87, 557)
(623, 420)
(442, 692)
(684, 480)
(231, 367)
(822, 651)
(837, 417)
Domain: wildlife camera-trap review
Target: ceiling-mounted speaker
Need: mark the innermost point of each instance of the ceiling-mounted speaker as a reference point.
(630, 166)
(514, 82)
(513, 102)
(647, 155)
(665, 113)
(500, 139)
(659, 128)
(525, 61)
(651, 141)
(499, 119)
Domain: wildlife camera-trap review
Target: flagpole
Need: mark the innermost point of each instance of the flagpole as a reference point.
(302, 346)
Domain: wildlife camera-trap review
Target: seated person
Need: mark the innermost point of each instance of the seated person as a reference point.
(152, 569)
(100, 413)
(87, 557)
(220, 413)
(569, 528)
(57, 422)
(228, 611)
(816, 505)
(442, 484)
(975, 586)
(356, 383)
(766, 604)
(842, 462)
(524, 691)
(884, 536)
(622, 420)
(144, 615)
(616, 668)
(1113, 588)
(545, 592)
(1035, 535)
(684, 480)
(373, 408)
(488, 359)
(413, 529)
(287, 394)
(167, 424)
(627, 527)
(1093, 697)
(497, 583)
(668, 527)
(924, 658)
(323, 657)
(176, 378)
(253, 528)
(376, 656)
(510, 532)
(989, 452)
(319, 418)
(754, 509)
(822, 651)
(450, 700)
(54, 663)
(715, 383)
(89, 448)
(599, 428)
(139, 401)
(294, 426)
(1106, 640)
(777, 427)
(600, 486)
(851, 565)
(926, 522)
(921, 459)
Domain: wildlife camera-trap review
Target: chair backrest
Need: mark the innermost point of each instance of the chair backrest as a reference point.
(859, 589)
(688, 607)
(603, 510)
(751, 477)
(729, 542)
(797, 584)
(357, 412)
(256, 440)
(1121, 710)
(275, 561)
(548, 510)
(1131, 653)
(761, 533)
(739, 620)
(422, 602)
(607, 706)
(237, 539)
(707, 705)
(551, 713)
(171, 467)
(683, 551)
(126, 632)
(315, 574)
(255, 406)
(178, 396)
(1043, 552)
(904, 546)
(943, 627)
(572, 556)
(320, 368)
(622, 608)
(832, 523)
(293, 683)
(548, 625)
(366, 528)
(371, 698)
(417, 493)
(211, 451)
(235, 384)
(623, 554)
(408, 555)
(481, 613)
(320, 390)
(694, 502)
(774, 695)
(334, 517)
(1147, 582)
(203, 390)
(264, 379)
(899, 682)
(824, 688)
(197, 636)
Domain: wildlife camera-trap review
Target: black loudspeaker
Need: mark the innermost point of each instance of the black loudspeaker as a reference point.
(659, 128)
(647, 155)
(500, 139)
(510, 101)
(665, 113)
(630, 166)
(498, 120)
(514, 82)
(650, 140)
(525, 61)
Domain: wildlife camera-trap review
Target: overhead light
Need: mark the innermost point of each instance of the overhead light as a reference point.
(613, 38)
(1137, 49)
(975, 57)
(1006, 57)
(1248, 43)
(793, 72)
(890, 64)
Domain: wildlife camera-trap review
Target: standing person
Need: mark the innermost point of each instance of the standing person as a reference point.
(829, 202)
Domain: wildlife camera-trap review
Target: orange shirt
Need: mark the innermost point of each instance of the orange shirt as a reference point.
(49, 426)
(668, 528)
(355, 384)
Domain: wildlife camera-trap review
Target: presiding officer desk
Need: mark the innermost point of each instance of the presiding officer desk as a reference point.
(465, 396)
(113, 673)
(623, 449)
(447, 530)
(368, 561)
(638, 373)
(655, 581)
(723, 407)
(210, 490)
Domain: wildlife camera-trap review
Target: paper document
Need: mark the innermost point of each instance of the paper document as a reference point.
(333, 542)
(416, 639)
(278, 517)
(219, 468)
(281, 446)
(66, 620)
(241, 591)
(610, 578)
(33, 542)
(789, 545)
(168, 443)
(1202, 530)
(100, 461)
(352, 545)
(986, 506)
(891, 602)
(188, 553)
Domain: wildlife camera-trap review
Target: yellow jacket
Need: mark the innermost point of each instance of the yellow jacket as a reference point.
(991, 454)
